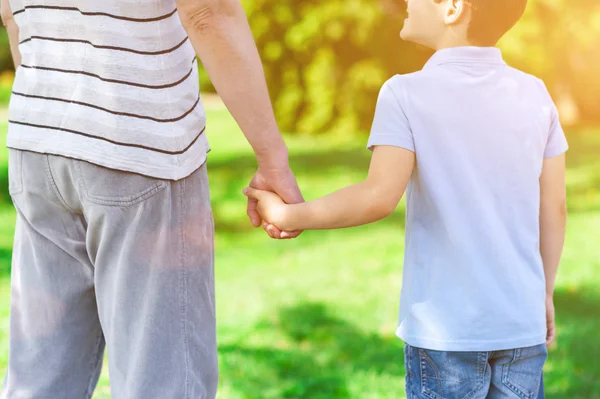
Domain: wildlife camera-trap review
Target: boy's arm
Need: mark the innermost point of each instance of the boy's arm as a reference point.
(553, 217)
(362, 203)
(12, 30)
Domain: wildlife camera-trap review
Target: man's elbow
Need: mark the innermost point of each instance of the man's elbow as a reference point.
(202, 16)
(7, 18)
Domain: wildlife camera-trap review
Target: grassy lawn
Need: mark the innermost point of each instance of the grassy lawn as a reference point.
(315, 317)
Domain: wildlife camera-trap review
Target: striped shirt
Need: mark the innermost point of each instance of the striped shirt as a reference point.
(112, 82)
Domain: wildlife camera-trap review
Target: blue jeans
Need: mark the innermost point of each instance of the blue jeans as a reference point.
(104, 258)
(541, 393)
(507, 374)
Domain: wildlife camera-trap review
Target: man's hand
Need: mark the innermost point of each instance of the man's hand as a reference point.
(281, 181)
(550, 321)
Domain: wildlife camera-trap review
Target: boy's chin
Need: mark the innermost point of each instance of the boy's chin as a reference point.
(407, 35)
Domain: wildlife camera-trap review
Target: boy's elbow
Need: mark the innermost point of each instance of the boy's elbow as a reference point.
(563, 209)
(383, 206)
(556, 210)
(387, 208)
(382, 200)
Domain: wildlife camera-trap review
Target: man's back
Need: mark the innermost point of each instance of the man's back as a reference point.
(474, 277)
(110, 82)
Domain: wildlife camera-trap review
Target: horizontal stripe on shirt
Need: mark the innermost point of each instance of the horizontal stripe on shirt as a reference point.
(87, 13)
(109, 140)
(116, 48)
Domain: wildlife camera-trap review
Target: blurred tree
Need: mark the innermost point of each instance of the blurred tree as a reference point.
(325, 61)
(6, 62)
(559, 41)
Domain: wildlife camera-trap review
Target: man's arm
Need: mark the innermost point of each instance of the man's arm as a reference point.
(553, 221)
(221, 36)
(359, 204)
(12, 29)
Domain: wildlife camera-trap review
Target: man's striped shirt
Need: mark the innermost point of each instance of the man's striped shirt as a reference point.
(112, 82)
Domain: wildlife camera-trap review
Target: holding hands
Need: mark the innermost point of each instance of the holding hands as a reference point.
(271, 208)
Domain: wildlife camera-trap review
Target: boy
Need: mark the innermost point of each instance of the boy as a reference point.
(480, 151)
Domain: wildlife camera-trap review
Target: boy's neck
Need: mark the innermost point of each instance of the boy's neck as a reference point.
(450, 42)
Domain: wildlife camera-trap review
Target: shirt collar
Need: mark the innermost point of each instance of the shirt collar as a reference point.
(466, 55)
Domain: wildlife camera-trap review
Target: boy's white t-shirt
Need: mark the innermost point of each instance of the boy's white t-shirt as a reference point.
(473, 274)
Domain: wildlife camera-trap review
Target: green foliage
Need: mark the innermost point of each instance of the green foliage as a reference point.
(558, 40)
(6, 62)
(325, 61)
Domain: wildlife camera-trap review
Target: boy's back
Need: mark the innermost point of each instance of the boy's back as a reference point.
(480, 131)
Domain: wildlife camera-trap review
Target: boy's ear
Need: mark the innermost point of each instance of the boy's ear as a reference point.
(457, 10)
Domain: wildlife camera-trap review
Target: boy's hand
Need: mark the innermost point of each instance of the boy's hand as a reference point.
(550, 321)
(270, 206)
(281, 181)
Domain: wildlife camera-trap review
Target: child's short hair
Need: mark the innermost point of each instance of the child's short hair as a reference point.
(491, 19)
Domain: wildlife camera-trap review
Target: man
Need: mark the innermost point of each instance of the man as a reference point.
(114, 234)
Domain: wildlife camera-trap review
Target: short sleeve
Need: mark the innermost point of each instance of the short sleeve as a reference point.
(390, 125)
(557, 141)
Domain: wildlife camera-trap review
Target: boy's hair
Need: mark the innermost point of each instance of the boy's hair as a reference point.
(491, 19)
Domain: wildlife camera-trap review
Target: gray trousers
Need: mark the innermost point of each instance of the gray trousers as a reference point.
(108, 258)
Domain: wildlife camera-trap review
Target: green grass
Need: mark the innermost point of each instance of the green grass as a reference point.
(315, 317)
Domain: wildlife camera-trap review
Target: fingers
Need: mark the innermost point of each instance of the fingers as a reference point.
(551, 335)
(253, 193)
(272, 231)
(252, 208)
(252, 212)
(286, 235)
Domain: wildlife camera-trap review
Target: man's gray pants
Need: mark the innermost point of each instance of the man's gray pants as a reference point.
(108, 258)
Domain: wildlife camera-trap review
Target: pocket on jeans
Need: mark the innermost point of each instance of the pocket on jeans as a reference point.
(523, 374)
(456, 375)
(15, 172)
(111, 187)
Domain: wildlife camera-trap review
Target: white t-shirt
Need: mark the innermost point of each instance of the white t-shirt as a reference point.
(473, 273)
(111, 82)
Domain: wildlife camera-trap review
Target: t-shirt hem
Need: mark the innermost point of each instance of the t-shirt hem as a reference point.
(391, 140)
(471, 346)
(555, 153)
(169, 172)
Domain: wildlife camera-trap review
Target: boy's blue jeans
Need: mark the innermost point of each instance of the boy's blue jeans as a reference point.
(508, 374)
